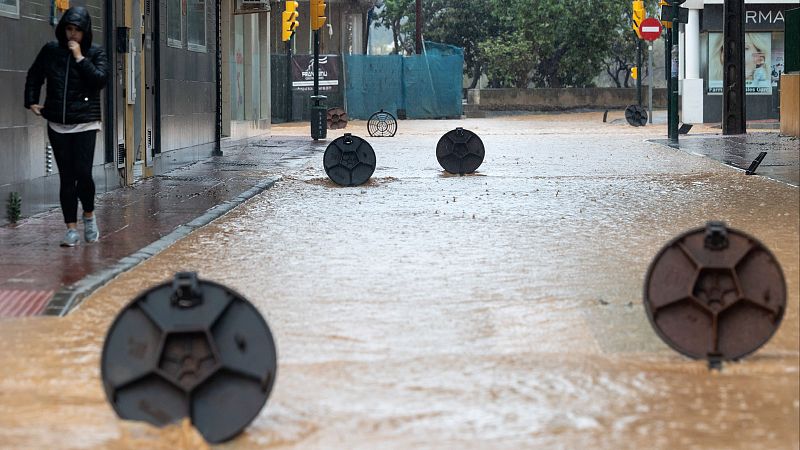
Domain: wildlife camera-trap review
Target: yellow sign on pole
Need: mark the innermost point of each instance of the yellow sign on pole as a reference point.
(638, 16)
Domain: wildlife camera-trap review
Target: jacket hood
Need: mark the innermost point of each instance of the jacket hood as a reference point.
(78, 16)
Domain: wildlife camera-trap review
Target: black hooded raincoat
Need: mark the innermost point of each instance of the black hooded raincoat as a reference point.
(73, 88)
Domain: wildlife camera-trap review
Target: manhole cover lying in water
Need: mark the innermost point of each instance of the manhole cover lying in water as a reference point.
(636, 115)
(190, 348)
(349, 160)
(460, 151)
(715, 293)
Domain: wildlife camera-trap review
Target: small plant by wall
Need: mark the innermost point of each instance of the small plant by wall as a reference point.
(14, 207)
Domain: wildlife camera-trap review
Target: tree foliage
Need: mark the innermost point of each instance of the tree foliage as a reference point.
(395, 13)
(561, 42)
(508, 60)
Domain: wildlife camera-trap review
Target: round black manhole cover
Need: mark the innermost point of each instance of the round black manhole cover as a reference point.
(460, 151)
(715, 293)
(636, 115)
(382, 124)
(349, 160)
(190, 348)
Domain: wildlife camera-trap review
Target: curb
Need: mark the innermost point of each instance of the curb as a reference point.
(68, 298)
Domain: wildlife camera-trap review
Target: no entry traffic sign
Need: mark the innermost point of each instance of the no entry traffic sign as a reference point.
(650, 29)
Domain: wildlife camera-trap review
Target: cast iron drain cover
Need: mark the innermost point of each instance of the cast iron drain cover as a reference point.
(349, 160)
(460, 151)
(190, 348)
(715, 293)
(382, 124)
(636, 115)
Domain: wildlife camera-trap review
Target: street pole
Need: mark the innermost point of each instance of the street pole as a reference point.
(668, 78)
(316, 64)
(733, 102)
(289, 79)
(217, 151)
(673, 79)
(419, 27)
(639, 71)
(650, 82)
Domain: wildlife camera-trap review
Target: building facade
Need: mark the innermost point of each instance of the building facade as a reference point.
(161, 106)
(700, 68)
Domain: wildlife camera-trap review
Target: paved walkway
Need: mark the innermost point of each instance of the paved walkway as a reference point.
(782, 161)
(39, 277)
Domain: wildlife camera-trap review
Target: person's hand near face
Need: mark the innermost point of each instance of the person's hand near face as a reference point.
(74, 37)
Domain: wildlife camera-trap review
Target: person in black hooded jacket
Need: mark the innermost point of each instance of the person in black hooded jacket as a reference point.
(76, 71)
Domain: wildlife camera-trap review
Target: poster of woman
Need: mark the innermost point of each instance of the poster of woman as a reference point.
(757, 63)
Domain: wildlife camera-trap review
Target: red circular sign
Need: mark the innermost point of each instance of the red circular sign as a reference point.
(650, 29)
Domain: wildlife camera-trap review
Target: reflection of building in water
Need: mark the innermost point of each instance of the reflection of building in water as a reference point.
(701, 68)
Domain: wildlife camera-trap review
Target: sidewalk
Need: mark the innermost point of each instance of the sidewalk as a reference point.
(782, 162)
(39, 277)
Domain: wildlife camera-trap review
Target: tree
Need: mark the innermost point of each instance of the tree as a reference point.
(465, 24)
(622, 55)
(392, 17)
(508, 60)
(571, 38)
(619, 60)
(567, 42)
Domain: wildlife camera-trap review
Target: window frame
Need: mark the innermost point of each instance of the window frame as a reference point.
(193, 46)
(170, 41)
(7, 12)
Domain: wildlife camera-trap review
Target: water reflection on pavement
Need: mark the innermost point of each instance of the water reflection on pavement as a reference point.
(498, 310)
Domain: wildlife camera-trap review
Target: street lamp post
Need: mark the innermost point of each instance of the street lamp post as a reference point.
(733, 102)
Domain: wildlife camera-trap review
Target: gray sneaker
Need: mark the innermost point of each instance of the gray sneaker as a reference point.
(71, 239)
(90, 231)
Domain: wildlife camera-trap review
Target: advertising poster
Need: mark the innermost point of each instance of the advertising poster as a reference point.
(757, 63)
(777, 58)
(303, 73)
(237, 70)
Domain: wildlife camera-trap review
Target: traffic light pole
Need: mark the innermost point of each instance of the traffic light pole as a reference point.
(289, 80)
(316, 65)
(650, 82)
(639, 71)
(673, 79)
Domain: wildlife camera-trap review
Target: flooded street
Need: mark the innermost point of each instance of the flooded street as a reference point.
(499, 310)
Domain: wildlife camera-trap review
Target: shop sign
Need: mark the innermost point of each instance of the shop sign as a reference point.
(757, 17)
(303, 73)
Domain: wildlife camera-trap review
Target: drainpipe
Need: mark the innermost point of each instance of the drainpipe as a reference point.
(218, 112)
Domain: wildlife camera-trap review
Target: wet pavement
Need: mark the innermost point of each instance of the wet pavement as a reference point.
(781, 162)
(38, 277)
(423, 310)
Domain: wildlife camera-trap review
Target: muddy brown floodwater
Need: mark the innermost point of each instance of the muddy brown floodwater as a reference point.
(501, 310)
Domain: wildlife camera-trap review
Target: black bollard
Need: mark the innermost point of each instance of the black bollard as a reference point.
(190, 348)
(349, 160)
(460, 151)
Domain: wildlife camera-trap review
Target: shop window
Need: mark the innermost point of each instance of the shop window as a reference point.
(196, 25)
(763, 62)
(9, 8)
(174, 23)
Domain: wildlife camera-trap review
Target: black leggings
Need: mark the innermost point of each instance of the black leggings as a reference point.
(74, 154)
